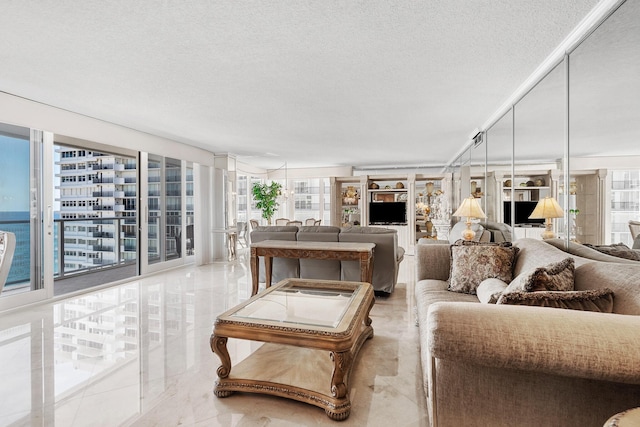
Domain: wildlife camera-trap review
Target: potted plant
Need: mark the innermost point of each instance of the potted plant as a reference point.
(266, 197)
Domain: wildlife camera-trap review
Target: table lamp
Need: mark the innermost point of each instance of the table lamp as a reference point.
(546, 209)
(471, 209)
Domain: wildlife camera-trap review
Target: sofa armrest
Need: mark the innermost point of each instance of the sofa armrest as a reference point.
(432, 261)
(562, 342)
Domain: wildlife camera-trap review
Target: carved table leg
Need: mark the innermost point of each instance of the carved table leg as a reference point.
(268, 266)
(367, 319)
(341, 365)
(219, 347)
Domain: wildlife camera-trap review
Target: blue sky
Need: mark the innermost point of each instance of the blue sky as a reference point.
(14, 174)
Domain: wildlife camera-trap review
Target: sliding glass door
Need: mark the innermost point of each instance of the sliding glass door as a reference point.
(23, 216)
(166, 182)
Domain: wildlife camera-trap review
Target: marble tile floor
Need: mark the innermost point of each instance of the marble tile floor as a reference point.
(138, 354)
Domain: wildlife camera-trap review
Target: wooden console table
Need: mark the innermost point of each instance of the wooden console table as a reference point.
(348, 251)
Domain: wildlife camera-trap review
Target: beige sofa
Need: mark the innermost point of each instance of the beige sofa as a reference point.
(503, 365)
(387, 255)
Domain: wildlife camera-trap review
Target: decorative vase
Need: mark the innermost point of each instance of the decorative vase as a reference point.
(350, 196)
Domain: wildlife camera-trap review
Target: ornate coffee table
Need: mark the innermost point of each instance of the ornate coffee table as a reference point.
(312, 331)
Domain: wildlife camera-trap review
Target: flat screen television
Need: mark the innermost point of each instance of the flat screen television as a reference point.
(523, 210)
(389, 213)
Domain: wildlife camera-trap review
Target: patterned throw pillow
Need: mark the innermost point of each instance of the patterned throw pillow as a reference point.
(473, 262)
(557, 276)
(600, 300)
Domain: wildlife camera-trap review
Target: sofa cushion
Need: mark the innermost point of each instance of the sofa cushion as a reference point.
(386, 256)
(473, 262)
(500, 232)
(600, 300)
(558, 276)
(282, 267)
(584, 251)
(319, 268)
(619, 250)
(623, 279)
(489, 290)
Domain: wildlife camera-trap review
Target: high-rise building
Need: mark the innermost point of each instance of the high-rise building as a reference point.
(97, 198)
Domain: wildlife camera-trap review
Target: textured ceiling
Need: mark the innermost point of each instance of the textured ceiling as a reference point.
(324, 83)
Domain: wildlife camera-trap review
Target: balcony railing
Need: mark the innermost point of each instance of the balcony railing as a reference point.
(90, 230)
(101, 167)
(109, 251)
(102, 194)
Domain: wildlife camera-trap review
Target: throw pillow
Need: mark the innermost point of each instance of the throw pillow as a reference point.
(600, 300)
(473, 262)
(557, 276)
(489, 290)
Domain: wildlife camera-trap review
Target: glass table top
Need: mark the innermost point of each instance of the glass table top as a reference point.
(294, 304)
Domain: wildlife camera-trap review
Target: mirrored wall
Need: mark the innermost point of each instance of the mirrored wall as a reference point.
(574, 136)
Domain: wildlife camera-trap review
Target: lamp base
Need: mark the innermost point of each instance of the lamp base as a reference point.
(548, 232)
(468, 234)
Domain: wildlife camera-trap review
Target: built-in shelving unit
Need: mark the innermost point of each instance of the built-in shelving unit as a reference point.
(398, 198)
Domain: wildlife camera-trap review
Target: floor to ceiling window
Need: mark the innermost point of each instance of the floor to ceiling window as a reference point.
(154, 203)
(95, 217)
(625, 204)
(21, 208)
(306, 199)
(189, 213)
(173, 208)
(164, 214)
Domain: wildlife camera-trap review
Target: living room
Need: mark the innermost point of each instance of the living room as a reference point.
(568, 130)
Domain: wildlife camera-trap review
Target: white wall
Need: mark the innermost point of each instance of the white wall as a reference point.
(23, 112)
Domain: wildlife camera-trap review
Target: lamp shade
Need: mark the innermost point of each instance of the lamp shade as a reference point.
(470, 208)
(429, 187)
(547, 208)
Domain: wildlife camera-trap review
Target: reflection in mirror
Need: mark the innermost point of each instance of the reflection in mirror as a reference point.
(458, 169)
(499, 141)
(539, 134)
(477, 163)
(604, 128)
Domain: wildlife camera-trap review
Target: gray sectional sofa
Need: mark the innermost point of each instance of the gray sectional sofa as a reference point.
(386, 258)
(507, 365)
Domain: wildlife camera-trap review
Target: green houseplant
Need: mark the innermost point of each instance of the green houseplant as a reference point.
(266, 197)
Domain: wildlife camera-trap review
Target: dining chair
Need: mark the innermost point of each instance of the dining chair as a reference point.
(296, 223)
(7, 248)
(310, 221)
(317, 222)
(282, 221)
(254, 224)
(242, 233)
